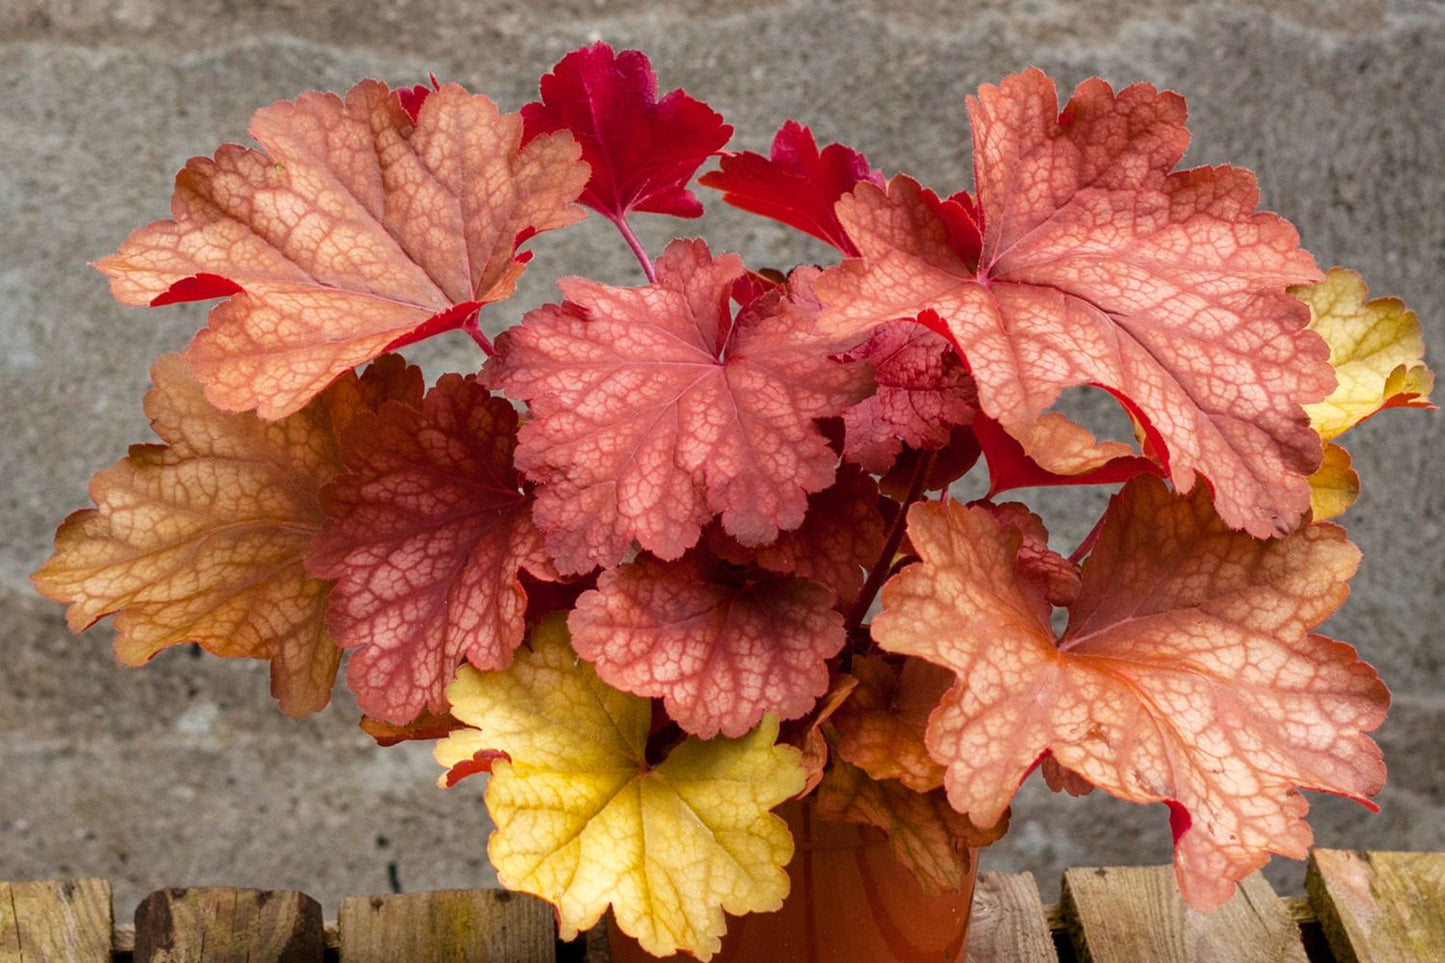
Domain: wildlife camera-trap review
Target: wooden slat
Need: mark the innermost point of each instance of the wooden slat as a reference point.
(1135, 913)
(221, 925)
(1379, 907)
(447, 926)
(55, 922)
(1007, 925)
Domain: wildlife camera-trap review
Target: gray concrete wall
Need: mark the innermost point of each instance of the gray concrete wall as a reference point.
(184, 773)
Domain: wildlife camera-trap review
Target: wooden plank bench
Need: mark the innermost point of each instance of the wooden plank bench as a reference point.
(1362, 908)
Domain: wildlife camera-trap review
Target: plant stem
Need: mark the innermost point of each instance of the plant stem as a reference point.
(637, 248)
(473, 327)
(879, 574)
(1087, 545)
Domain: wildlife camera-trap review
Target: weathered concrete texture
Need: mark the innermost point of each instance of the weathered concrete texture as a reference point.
(184, 773)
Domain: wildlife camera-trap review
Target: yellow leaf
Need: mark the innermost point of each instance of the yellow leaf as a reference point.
(1335, 486)
(202, 539)
(584, 819)
(1375, 348)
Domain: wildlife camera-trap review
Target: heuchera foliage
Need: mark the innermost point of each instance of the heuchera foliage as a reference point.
(631, 562)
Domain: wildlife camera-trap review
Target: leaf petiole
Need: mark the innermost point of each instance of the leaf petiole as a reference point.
(884, 566)
(637, 248)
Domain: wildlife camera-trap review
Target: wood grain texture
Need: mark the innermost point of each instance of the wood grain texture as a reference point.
(1007, 924)
(1130, 914)
(447, 926)
(222, 925)
(55, 922)
(1379, 907)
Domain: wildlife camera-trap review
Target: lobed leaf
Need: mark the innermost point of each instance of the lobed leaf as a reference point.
(354, 230)
(1375, 348)
(796, 183)
(924, 832)
(202, 539)
(642, 150)
(880, 729)
(584, 820)
(721, 645)
(1099, 264)
(654, 409)
(1188, 674)
(924, 392)
(425, 534)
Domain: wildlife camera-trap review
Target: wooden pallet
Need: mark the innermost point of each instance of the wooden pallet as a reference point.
(1365, 907)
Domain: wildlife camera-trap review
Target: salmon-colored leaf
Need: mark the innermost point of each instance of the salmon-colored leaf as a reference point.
(924, 392)
(425, 535)
(840, 537)
(654, 409)
(722, 645)
(202, 539)
(806, 733)
(924, 832)
(1054, 451)
(642, 150)
(585, 820)
(880, 729)
(1099, 264)
(358, 229)
(1188, 674)
(1375, 348)
(796, 184)
(1054, 578)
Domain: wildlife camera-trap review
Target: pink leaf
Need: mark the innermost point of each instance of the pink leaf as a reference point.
(654, 409)
(721, 645)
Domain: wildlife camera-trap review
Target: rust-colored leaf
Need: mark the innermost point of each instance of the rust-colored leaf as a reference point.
(202, 539)
(880, 729)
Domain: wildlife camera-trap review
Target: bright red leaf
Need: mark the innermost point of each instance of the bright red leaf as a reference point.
(654, 409)
(355, 231)
(924, 392)
(797, 184)
(1100, 264)
(642, 150)
(721, 645)
(426, 533)
(1188, 674)
(841, 536)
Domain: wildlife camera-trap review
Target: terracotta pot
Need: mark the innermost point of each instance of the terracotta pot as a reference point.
(850, 902)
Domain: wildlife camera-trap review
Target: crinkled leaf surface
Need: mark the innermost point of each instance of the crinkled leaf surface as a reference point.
(425, 535)
(797, 183)
(583, 820)
(924, 392)
(1102, 265)
(1375, 347)
(1187, 675)
(653, 409)
(880, 728)
(202, 539)
(840, 537)
(722, 645)
(924, 832)
(642, 150)
(356, 230)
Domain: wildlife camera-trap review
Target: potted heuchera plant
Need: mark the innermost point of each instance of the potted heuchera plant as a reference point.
(628, 566)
